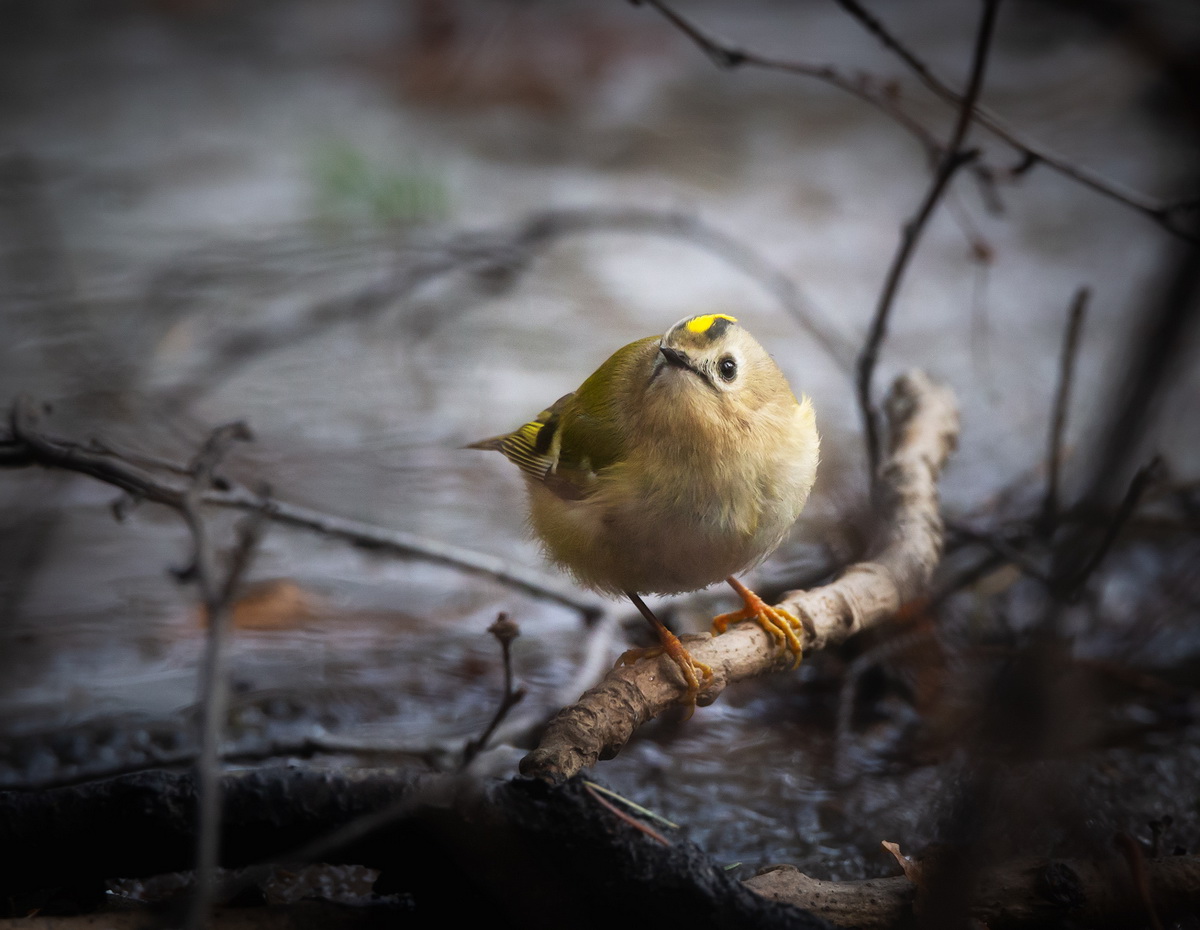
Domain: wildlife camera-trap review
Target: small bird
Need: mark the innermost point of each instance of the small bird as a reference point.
(683, 460)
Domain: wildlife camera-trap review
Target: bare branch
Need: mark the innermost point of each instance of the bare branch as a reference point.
(1002, 545)
(505, 631)
(1166, 215)
(1071, 581)
(953, 159)
(214, 692)
(498, 255)
(924, 428)
(1066, 372)
(736, 253)
(30, 445)
(878, 93)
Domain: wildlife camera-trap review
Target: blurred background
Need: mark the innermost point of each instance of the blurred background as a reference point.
(377, 231)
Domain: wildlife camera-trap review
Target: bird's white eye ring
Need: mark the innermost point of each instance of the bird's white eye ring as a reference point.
(728, 368)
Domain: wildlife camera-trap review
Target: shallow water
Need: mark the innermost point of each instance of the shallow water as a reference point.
(174, 181)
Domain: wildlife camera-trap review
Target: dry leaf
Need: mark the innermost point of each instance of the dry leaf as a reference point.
(910, 867)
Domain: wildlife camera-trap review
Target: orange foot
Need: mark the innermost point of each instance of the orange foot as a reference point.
(784, 627)
(693, 672)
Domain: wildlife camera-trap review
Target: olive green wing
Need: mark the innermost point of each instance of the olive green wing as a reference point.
(593, 421)
(581, 433)
(563, 448)
(532, 446)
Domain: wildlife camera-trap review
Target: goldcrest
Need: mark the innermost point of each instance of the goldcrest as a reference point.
(683, 460)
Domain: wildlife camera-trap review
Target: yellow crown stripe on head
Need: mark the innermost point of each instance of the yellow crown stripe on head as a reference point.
(702, 324)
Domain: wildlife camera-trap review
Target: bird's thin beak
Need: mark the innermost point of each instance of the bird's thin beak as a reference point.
(675, 357)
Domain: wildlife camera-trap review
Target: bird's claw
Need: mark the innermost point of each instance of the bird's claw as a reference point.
(695, 674)
(784, 627)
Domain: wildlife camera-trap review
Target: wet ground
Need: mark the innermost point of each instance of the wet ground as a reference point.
(180, 181)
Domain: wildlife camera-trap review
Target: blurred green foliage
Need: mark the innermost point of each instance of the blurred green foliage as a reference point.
(350, 187)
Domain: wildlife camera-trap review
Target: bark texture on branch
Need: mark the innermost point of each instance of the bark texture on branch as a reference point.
(1022, 893)
(923, 423)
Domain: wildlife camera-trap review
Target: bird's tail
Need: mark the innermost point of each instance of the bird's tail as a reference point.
(494, 444)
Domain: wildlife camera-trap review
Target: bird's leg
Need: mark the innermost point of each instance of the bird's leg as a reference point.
(691, 670)
(785, 628)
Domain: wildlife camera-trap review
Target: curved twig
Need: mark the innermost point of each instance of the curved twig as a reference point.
(877, 93)
(953, 159)
(1164, 214)
(498, 255)
(880, 94)
(1058, 419)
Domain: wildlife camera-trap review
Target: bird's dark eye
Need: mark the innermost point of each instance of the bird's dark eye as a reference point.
(728, 368)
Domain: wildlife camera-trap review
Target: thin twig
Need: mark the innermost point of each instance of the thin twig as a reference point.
(724, 55)
(880, 93)
(1168, 322)
(1071, 581)
(1001, 546)
(1062, 397)
(505, 631)
(953, 159)
(141, 459)
(204, 464)
(1139, 873)
(498, 255)
(542, 228)
(621, 815)
(632, 805)
(1032, 153)
(30, 445)
(217, 594)
(1164, 214)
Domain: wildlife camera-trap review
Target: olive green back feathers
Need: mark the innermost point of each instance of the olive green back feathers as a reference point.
(579, 434)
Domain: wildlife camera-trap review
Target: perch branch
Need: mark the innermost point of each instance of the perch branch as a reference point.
(924, 427)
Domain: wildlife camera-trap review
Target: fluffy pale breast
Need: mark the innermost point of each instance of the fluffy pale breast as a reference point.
(683, 519)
